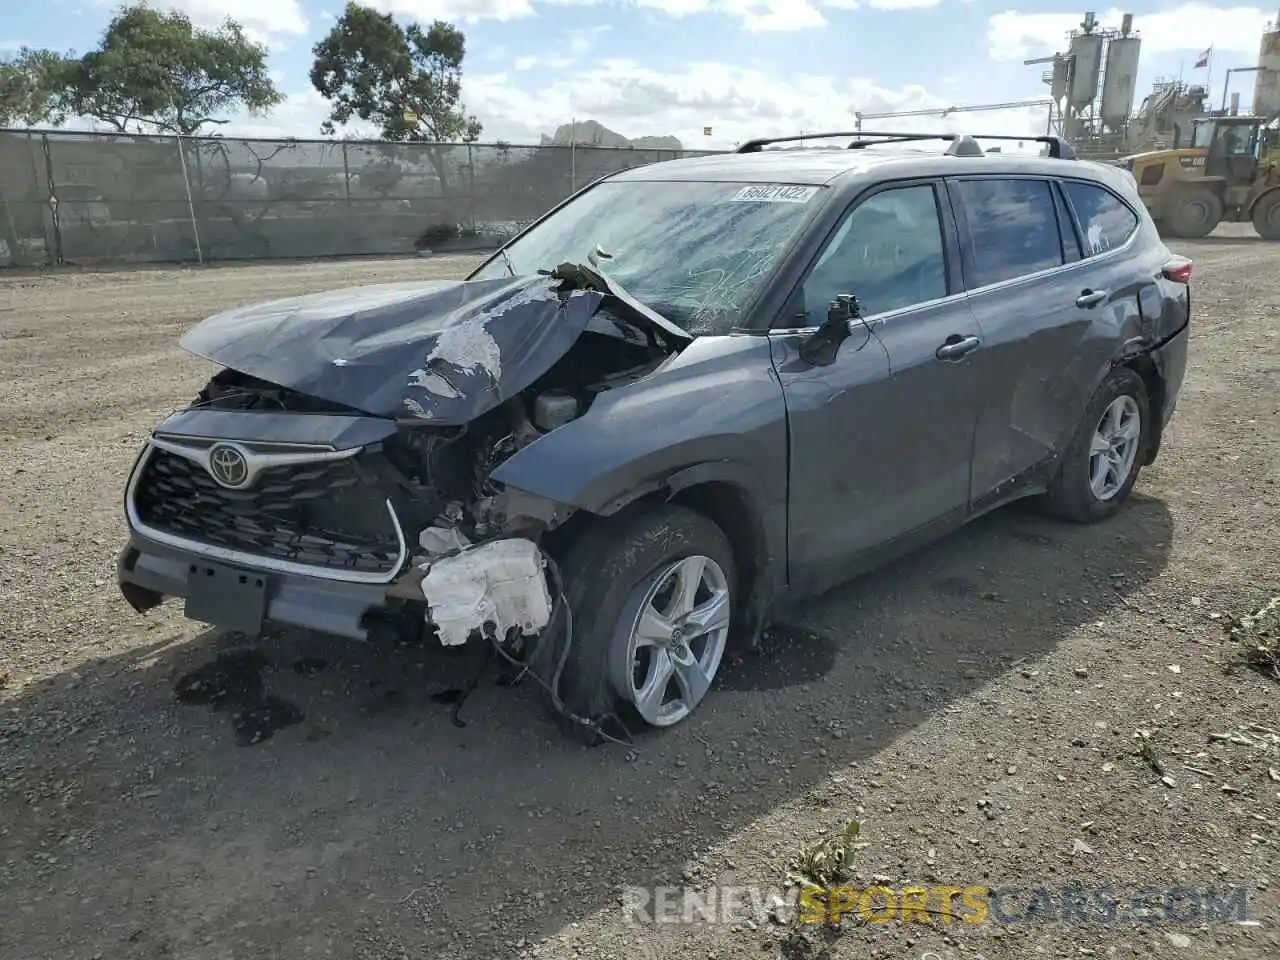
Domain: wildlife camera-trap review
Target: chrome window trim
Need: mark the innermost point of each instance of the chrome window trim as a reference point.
(1049, 271)
(877, 319)
(249, 560)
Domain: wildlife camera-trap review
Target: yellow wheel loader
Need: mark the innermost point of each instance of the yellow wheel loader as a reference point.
(1230, 173)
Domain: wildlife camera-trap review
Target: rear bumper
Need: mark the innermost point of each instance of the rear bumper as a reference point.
(1171, 360)
(150, 573)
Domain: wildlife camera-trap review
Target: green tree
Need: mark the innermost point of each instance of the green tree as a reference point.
(406, 80)
(30, 84)
(157, 70)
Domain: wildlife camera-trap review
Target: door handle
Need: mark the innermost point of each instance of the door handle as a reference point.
(1089, 299)
(956, 347)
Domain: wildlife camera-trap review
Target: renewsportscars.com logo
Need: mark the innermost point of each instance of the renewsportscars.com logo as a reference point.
(971, 904)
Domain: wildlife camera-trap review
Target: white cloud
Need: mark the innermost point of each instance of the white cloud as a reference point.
(737, 102)
(903, 4)
(456, 11)
(756, 16)
(1188, 27)
(582, 41)
(263, 20)
(521, 64)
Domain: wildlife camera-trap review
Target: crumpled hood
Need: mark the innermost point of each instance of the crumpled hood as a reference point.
(443, 351)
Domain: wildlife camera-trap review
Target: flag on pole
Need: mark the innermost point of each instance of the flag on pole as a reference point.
(1203, 59)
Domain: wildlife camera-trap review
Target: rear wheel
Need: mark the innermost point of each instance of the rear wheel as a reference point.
(1194, 213)
(1266, 216)
(1101, 466)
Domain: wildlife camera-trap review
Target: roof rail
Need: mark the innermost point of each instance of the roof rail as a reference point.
(755, 146)
(1059, 149)
(962, 144)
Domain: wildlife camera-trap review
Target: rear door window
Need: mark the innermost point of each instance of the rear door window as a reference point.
(1105, 221)
(1012, 227)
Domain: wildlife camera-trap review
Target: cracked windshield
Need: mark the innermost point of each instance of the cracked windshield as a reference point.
(695, 252)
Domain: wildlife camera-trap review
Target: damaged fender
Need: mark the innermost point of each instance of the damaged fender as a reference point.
(442, 352)
(651, 436)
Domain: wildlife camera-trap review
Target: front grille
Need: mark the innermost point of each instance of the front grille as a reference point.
(323, 514)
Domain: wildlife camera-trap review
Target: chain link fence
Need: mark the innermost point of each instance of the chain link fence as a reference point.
(109, 198)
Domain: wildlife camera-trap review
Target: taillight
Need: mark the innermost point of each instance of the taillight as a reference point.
(1178, 270)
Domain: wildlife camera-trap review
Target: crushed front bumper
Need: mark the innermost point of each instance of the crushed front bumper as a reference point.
(498, 585)
(149, 574)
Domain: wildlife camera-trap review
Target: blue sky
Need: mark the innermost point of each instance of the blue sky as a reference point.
(742, 67)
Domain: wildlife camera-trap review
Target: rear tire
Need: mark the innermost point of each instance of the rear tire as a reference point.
(1266, 216)
(1100, 467)
(1194, 213)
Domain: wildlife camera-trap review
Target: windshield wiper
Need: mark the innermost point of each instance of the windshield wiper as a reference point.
(506, 258)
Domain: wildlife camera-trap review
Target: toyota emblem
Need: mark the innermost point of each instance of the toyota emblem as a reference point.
(228, 466)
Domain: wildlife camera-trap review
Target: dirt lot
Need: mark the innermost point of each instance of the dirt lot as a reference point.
(977, 705)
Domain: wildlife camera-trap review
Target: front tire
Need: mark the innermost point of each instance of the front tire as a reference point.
(1100, 467)
(652, 596)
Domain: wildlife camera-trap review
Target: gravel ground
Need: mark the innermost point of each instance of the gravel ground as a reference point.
(978, 705)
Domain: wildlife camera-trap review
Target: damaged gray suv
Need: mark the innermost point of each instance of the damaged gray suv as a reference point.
(691, 394)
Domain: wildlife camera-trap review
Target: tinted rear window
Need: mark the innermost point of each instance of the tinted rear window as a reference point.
(1013, 229)
(1105, 222)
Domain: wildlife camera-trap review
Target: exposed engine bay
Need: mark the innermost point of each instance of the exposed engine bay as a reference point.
(444, 471)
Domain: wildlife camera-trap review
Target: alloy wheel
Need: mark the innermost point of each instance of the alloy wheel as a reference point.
(676, 640)
(1114, 448)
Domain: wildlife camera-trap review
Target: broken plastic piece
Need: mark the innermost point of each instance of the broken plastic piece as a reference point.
(500, 582)
(437, 541)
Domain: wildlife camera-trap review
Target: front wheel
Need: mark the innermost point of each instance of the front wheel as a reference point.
(1100, 467)
(652, 596)
(1266, 216)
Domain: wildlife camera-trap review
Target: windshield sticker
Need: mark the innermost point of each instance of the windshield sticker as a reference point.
(774, 193)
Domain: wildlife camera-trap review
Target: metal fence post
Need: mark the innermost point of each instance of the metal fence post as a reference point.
(346, 177)
(53, 200)
(471, 187)
(191, 204)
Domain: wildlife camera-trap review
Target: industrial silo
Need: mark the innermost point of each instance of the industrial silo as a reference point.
(1266, 88)
(1086, 54)
(1120, 78)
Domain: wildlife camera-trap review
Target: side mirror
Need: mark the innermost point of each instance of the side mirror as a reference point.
(821, 346)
